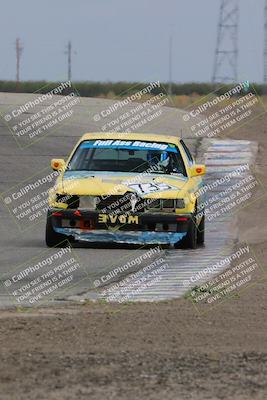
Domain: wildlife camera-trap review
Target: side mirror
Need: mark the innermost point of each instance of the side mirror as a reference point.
(58, 164)
(198, 170)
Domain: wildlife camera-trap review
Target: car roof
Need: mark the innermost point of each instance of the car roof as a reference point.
(131, 136)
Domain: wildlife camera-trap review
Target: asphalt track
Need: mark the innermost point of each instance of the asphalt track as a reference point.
(177, 272)
(20, 246)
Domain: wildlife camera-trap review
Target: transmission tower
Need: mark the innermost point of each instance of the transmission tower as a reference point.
(226, 53)
(265, 43)
(19, 49)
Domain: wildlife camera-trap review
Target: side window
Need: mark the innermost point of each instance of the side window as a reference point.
(186, 149)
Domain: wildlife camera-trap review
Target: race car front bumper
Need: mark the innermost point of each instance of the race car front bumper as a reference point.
(139, 228)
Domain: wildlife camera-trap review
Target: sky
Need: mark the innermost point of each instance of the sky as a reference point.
(124, 40)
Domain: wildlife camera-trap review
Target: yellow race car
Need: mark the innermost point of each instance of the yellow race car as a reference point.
(127, 188)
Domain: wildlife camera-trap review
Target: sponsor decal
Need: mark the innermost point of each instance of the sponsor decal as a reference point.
(128, 144)
(115, 219)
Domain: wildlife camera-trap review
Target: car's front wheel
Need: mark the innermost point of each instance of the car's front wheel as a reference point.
(52, 238)
(201, 231)
(190, 240)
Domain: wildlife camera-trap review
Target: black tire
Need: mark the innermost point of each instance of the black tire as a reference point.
(201, 231)
(52, 238)
(190, 240)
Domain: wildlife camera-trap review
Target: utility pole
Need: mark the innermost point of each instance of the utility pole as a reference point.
(226, 53)
(170, 65)
(19, 49)
(69, 54)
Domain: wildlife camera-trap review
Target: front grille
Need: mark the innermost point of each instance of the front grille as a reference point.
(153, 204)
(168, 203)
(120, 204)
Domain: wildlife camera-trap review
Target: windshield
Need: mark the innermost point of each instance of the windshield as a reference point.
(127, 156)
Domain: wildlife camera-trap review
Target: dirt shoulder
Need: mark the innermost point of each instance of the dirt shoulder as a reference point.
(137, 351)
(154, 351)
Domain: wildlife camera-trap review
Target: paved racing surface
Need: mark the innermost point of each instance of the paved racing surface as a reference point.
(221, 157)
(21, 246)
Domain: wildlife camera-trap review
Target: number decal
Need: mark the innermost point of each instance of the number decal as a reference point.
(147, 188)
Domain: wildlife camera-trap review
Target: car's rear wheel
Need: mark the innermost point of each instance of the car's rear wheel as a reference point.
(52, 238)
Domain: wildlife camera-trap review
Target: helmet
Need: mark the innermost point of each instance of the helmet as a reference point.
(154, 157)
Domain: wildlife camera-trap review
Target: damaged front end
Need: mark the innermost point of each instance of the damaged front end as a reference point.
(125, 218)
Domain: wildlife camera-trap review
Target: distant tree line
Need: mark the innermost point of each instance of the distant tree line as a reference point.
(118, 89)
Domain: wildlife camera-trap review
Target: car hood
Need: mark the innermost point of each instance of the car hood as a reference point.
(118, 183)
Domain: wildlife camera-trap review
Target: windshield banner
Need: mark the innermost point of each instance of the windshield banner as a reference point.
(128, 144)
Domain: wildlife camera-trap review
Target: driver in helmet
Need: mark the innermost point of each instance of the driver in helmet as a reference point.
(162, 161)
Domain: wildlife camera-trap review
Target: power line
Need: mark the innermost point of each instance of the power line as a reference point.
(226, 53)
